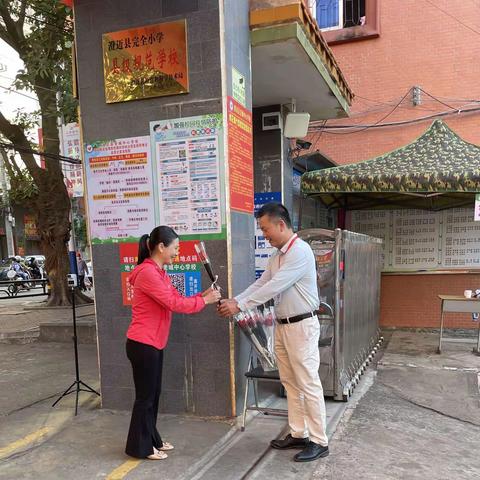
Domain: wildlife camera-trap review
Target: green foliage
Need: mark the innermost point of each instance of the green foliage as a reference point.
(23, 190)
(41, 31)
(28, 121)
(46, 51)
(80, 229)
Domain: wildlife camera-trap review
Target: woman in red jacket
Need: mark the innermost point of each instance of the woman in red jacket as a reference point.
(154, 300)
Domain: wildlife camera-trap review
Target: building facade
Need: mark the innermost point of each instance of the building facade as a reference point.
(183, 106)
(408, 63)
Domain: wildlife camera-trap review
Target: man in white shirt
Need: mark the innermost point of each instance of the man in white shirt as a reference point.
(291, 280)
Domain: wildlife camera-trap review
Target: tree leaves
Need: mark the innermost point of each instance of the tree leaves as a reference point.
(41, 32)
(23, 189)
(46, 50)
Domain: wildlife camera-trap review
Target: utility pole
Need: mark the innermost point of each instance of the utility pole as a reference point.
(9, 219)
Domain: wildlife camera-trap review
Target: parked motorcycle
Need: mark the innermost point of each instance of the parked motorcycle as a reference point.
(15, 287)
(36, 271)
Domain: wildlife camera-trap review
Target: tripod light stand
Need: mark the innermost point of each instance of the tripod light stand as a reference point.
(76, 386)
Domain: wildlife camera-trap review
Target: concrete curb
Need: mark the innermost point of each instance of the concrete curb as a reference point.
(223, 444)
(23, 337)
(45, 308)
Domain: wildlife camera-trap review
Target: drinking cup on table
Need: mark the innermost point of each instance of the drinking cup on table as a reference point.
(467, 294)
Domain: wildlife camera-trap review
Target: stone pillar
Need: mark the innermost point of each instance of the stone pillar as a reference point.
(205, 357)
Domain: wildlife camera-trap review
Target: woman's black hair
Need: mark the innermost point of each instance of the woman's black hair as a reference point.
(147, 244)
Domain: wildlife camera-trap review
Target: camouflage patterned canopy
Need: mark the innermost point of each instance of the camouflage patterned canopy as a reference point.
(438, 170)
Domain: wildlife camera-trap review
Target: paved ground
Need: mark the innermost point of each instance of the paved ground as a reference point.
(36, 372)
(414, 416)
(38, 441)
(41, 442)
(21, 316)
(419, 420)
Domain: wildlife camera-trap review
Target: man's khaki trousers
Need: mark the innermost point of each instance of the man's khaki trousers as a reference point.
(298, 360)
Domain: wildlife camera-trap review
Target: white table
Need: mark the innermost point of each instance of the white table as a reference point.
(457, 304)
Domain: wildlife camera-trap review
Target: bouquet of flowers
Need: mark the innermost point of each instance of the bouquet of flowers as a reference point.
(258, 325)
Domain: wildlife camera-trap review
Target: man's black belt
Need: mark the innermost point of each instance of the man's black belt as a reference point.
(297, 318)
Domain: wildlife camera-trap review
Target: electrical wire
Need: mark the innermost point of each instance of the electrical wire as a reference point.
(392, 102)
(452, 16)
(436, 99)
(382, 106)
(378, 121)
(18, 93)
(49, 25)
(52, 156)
(315, 141)
(439, 99)
(32, 84)
(394, 124)
(52, 15)
(455, 100)
(370, 109)
(44, 22)
(385, 104)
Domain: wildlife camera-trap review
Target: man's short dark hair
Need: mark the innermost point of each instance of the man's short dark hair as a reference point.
(275, 210)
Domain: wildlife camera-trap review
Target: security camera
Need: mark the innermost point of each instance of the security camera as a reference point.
(303, 144)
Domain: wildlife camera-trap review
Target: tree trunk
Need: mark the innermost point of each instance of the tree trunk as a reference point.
(53, 209)
(81, 298)
(53, 212)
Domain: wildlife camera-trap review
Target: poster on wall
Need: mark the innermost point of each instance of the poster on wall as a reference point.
(423, 240)
(30, 227)
(128, 261)
(145, 62)
(375, 223)
(187, 157)
(460, 239)
(120, 189)
(185, 272)
(263, 249)
(71, 144)
(415, 239)
(240, 156)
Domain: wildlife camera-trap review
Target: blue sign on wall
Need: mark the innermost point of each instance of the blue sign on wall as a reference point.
(263, 250)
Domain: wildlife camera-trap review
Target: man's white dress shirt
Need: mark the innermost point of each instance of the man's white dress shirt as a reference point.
(290, 279)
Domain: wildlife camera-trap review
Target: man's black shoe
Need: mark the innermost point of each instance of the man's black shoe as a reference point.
(289, 442)
(311, 452)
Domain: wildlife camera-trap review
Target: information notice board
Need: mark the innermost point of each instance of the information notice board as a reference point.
(422, 240)
(240, 156)
(71, 147)
(187, 154)
(120, 189)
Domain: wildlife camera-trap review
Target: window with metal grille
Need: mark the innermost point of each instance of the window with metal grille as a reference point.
(336, 14)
